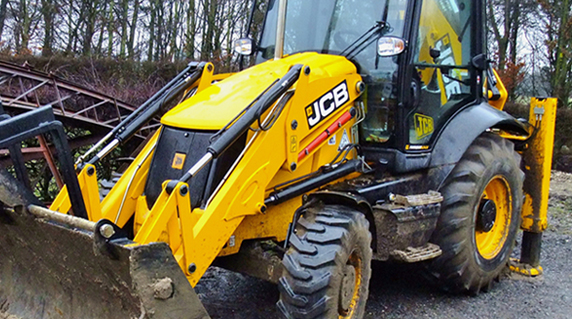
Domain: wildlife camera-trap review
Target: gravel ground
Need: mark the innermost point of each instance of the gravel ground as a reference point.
(398, 291)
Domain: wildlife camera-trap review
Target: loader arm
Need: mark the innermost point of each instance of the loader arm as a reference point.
(197, 236)
(204, 231)
(86, 268)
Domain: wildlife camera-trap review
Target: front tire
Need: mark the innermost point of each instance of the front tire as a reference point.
(479, 218)
(327, 266)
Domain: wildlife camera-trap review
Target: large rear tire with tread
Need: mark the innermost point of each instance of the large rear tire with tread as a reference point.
(479, 218)
(327, 266)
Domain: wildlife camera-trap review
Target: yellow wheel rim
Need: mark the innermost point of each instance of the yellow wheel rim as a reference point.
(356, 263)
(490, 243)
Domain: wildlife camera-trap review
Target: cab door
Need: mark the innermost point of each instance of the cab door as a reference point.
(383, 78)
(443, 78)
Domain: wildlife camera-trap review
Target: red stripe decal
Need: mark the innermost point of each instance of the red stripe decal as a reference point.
(346, 117)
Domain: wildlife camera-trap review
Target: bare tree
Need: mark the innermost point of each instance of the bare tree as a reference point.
(507, 18)
(49, 14)
(26, 16)
(558, 27)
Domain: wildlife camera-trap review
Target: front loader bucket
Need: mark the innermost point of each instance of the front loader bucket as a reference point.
(52, 270)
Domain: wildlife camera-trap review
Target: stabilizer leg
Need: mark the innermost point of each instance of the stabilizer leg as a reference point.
(538, 164)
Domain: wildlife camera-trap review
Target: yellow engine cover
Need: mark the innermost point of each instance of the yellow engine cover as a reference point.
(217, 105)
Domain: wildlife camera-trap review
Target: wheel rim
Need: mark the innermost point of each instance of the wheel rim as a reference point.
(490, 239)
(350, 286)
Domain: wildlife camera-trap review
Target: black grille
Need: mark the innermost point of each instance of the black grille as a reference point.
(193, 145)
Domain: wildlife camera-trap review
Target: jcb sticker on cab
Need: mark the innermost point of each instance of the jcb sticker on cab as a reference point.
(327, 104)
(424, 125)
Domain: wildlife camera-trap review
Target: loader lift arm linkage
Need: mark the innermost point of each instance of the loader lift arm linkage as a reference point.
(82, 198)
(173, 198)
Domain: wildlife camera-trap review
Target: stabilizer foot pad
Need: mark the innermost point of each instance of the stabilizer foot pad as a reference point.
(524, 269)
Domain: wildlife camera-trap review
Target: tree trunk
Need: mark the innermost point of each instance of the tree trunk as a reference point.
(48, 13)
(27, 19)
(124, 18)
(3, 9)
(152, 8)
(207, 45)
(90, 16)
(159, 37)
(191, 31)
(174, 33)
(69, 24)
(102, 28)
(134, 19)
(110, 29)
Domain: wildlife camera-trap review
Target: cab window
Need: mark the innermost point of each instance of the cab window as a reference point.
(380, 76)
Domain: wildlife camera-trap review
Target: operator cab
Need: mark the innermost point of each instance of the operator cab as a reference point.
(410, 95)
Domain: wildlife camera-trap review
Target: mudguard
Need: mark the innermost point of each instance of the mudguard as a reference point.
(465, 127)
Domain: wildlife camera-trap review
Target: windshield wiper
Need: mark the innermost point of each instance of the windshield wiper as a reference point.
(364, 40)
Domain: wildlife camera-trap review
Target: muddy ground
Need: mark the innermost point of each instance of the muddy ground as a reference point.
(399, 291)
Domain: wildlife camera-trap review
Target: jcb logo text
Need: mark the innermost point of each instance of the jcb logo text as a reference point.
(327, 104)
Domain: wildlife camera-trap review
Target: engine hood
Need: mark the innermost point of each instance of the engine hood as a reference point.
(217, 105)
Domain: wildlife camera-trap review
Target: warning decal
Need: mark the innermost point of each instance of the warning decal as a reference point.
(344, 141)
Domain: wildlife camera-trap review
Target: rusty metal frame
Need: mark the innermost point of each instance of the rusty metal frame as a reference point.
(20, 91)
(23, 89)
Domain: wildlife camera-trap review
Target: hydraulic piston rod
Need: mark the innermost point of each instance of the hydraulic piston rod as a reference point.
(245, 121)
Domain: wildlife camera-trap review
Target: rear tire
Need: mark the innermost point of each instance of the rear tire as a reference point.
(479, 218)
(327, 266)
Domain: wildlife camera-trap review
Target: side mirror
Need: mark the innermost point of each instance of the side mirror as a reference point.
(243, 46)
(390, 46)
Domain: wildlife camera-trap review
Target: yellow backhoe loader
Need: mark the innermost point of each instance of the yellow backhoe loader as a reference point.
(366, 130)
